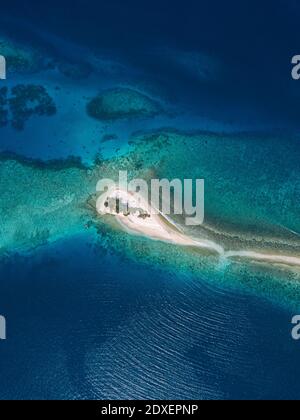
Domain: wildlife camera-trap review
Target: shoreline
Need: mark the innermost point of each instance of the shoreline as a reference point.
(160, 227)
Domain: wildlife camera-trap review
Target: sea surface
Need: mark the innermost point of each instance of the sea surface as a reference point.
(87, 322)
(83, 324)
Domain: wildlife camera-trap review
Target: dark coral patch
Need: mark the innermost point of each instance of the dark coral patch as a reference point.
(29, 100)
(3, 107)
(122, 103)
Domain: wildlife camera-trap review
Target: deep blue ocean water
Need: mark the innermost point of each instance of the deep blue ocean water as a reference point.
(83, 323)
(86, 324)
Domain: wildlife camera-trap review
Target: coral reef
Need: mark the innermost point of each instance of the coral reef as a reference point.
(29, 100)
(121, 103)
(20, 59)
(62, 202)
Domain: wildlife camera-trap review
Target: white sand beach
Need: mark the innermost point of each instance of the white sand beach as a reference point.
(136, 216)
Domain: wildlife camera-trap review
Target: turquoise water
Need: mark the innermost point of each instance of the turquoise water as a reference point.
(95, 313)
(250, 179)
